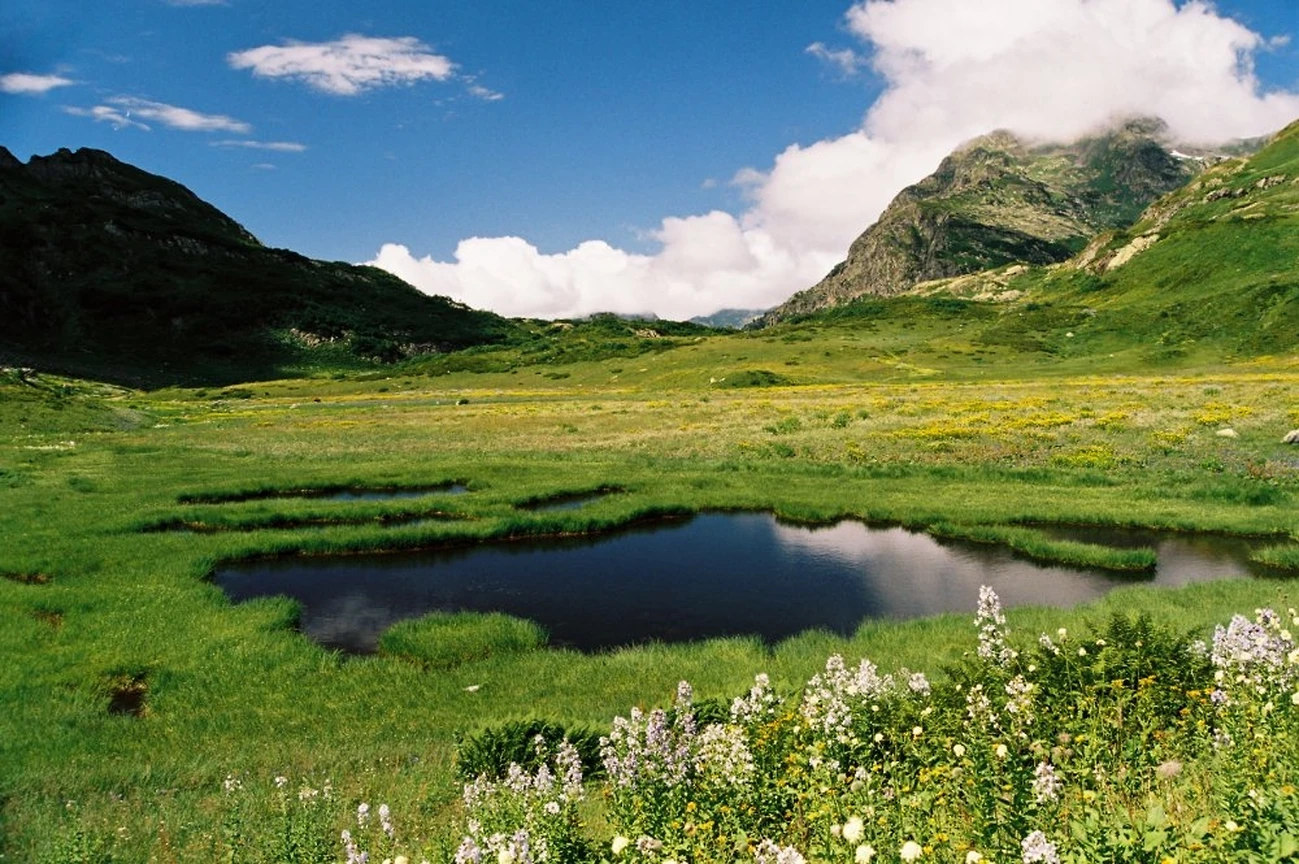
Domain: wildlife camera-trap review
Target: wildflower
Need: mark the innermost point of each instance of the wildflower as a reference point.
(991, 623)
(919, 684)
(1002, 751)
(769, 853)
(552, 807)
(619, 844)
(959, 750)
(385, 820)
(853, 829)
(362, 814)
(723, 757)
(1020, 702)
(401, 859)
(1168, 770)
(569, 765)
(916, 731)
(1046, 783)
(356, 856)
(973, 857)
(645, 844)
(1254, 654)
(1038, 850)
(910, 851)
(281, 781)
(864, 854)
(231, 784)
(761, 703)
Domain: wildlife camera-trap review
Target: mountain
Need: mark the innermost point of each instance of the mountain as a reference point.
(1212, 268)
(728, 319)
(108, 269)
(999, 200)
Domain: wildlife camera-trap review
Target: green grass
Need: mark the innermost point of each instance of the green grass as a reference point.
(445, 641)
(234, 689)
(1037, 546)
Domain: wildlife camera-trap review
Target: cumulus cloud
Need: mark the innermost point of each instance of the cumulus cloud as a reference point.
(349, 65)
(951, 70)
(1057, 68)
(28, 84)
(278, 146)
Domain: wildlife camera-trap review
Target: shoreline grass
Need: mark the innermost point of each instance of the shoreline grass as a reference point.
(1284, 557)
(1037, 546)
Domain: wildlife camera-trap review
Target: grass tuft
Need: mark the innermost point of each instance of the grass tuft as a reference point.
(1036, 545)
(447, 640)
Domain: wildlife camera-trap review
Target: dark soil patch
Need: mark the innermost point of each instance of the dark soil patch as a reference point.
(128, 694)
(49, 617)
(27, 578)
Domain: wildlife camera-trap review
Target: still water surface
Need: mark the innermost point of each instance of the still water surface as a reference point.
(714, 575)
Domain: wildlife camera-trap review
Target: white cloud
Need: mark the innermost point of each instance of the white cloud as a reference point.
(28, 83)
(128, 111)
(349, 65)
(278, 146)
(951, 70)
(107, 114)
(1058, 68)
(478, 91)
(844, 60)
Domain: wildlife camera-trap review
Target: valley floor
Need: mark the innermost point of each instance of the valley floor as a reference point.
(104, 599)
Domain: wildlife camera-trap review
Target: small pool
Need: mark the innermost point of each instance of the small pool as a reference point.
(717, 574)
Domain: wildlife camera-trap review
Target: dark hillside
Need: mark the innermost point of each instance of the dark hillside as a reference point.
(105, 268)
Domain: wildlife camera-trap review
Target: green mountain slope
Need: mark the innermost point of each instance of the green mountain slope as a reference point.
(996, 201)
(1212, 269)
(109, 270)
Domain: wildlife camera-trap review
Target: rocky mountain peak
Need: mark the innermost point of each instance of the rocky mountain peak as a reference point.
(997, 200)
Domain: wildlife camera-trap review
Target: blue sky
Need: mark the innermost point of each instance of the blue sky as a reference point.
(673, 157)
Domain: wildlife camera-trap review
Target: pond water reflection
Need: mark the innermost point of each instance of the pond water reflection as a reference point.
(714, 575)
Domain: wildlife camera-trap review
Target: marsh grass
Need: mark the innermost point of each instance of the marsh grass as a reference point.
(235, 690)
(1281, 556)
(447, 640)
(1038, 546)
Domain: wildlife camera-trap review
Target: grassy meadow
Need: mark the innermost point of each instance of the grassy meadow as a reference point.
(143, 717)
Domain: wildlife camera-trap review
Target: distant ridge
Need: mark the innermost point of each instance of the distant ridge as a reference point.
(729, 319)
(106, 268)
